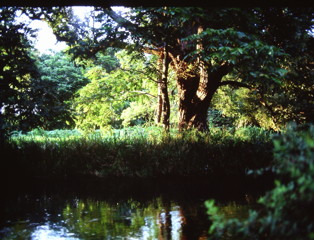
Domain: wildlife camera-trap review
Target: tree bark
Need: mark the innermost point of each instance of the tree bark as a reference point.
(195, 95)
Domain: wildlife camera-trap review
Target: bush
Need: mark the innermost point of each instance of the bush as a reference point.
(286, 212)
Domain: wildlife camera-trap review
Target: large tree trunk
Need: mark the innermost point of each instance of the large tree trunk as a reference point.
(196, 87)
(193, 105)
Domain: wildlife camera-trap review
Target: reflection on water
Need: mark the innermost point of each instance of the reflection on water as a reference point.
(94, 219)
(61, 215)
(45, 232)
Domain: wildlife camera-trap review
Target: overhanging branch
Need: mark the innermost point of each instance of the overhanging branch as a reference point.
(140, 32)
(235, 84)
(120, 20)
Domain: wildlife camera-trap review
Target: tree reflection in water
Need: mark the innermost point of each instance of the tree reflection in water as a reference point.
(97, 219)
(111, 211)
(131, 219)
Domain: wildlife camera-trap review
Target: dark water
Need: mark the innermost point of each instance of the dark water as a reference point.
(119, 209)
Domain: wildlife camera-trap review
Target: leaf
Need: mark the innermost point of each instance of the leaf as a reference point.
(282, 72)
(240, 50)
(276, 80)
(253, 74)
(241, 35)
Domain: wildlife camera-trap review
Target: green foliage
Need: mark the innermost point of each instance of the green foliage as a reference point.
(269, 104)
(58, 69)
(217, 118)
(59, 80)
(100, 103)
(138, 114)
(286, 211)
(140, 152)
(107, 60)
(245, 107)
(245, 52)
(92, 105)
(17, 70)
(272, 106)
(35, 89)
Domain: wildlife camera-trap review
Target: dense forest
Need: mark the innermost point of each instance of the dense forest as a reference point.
(167, 91)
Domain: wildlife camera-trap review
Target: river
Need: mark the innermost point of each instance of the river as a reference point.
(90, 209)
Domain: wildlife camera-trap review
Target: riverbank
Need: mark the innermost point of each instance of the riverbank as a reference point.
(150, 153)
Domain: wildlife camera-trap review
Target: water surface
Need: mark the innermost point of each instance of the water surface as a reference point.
(119, 209)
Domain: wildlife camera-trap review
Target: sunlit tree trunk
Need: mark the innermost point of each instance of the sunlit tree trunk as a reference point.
(164, 90)
(159, 96)
(163, 108)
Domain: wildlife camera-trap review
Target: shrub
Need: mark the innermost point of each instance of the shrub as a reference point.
(286, 212)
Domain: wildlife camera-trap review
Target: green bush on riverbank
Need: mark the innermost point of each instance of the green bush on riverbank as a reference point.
(286, 212)
(143, 152)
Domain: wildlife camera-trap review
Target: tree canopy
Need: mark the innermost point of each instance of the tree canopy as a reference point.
(253, 64)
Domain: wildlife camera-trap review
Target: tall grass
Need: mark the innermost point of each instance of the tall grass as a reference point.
(142, 152)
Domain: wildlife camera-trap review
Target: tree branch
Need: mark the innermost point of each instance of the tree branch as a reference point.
(154, 51)
(236, 84)
(143, 93)
(120, 20)
(140, 32)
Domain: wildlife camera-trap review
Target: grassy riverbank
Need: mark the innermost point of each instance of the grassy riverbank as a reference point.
(137, 152)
